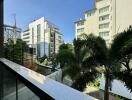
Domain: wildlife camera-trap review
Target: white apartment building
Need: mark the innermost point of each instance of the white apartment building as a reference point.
(44, 36)
(11, 32)
(106, 19)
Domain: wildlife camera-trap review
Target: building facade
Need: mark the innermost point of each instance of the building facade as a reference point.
(106, 19)
(11, 32)
(44, 36)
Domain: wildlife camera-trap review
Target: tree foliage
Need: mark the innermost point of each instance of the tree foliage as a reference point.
(15, 52)
(75, 64)
(122, 44)
(90, 52)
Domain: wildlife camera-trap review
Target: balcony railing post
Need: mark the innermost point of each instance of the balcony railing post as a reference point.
(1, 28)
(16, 88)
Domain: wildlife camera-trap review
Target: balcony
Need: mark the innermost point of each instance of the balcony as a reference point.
(20, 83)
(52, 40)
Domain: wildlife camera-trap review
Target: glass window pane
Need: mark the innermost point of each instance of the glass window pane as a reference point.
(24, 93)
(104, 9)
(9, 85)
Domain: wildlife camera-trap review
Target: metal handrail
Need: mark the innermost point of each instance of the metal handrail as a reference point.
(42, 86)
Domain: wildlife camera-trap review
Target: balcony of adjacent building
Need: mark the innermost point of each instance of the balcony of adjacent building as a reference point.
(51, 39)
(47, 30)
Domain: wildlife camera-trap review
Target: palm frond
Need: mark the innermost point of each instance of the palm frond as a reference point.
(83, 80)
(97, 47)
(65, 57)
(120, 43)
(125, 77)
(72, 71)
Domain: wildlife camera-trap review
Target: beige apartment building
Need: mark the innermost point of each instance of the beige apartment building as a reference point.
(106, 19)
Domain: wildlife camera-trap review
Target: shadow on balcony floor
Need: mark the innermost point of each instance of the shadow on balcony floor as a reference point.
(97, 93)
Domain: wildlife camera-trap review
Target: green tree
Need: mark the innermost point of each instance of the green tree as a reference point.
(100, 57)
(75, 64)
(42, 58)
(122, 44)
(15, 52)
(91, 53)
(113, 58)
(66, 46)
(65, 51)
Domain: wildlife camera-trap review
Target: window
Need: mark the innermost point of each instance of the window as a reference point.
(26, 37)
(104, 9)
(102, 18)
(90, 13)
(102, 26)
(51, 40)
(51, 50)
(27, 41)
(25, 34)
(38, 32)
(104, 34)
(52, 45)
(32, 35)
(38, 50)
(59, 37)
(59, 41)
(80, 30)
(38, 39)
(80, 23)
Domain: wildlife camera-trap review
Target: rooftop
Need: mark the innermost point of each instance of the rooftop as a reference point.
(80, 20)
(98, 0)
(93, 9)
(10, 26)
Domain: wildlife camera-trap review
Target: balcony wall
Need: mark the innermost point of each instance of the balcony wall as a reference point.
(20, 83)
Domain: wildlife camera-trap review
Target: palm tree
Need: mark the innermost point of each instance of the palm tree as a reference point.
(101, 57)
(74, 61)
(123, 44)
(112, 58)
(81, 64)
(90, 52)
